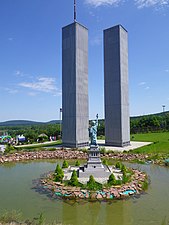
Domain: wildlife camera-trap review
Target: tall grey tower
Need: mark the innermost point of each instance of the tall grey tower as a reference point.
(117, 121)
(75, 118)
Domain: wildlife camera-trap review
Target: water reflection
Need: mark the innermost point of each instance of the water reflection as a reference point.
(16, 193)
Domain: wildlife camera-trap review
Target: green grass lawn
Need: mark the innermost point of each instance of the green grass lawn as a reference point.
(160, 142)
(40, 145)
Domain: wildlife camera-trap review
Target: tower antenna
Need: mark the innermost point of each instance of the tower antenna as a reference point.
(74, 10)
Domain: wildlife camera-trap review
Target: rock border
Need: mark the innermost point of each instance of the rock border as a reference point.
(58, 154)
(72, 154)
(59, 190)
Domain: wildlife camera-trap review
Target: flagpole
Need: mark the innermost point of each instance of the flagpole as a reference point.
(74, 10)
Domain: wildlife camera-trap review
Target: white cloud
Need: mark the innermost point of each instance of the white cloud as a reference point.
(151, 3)
(18, 73)
(167, 70)
(142, 83)
(11, 91)
(10, 39)
(97, 3)
(139, 3)
(32, 94)
(42, 84)
(58, 93)
(96, 40)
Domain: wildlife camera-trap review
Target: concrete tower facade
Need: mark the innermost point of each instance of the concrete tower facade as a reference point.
(75, 112)
(117, 120)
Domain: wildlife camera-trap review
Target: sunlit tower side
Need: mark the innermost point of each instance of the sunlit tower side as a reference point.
(75, 112)
(117, 120)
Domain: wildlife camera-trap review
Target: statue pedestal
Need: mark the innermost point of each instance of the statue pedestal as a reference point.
(94, 165)
(94, 160)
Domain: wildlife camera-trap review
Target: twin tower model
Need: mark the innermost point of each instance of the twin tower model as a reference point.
(75, 107)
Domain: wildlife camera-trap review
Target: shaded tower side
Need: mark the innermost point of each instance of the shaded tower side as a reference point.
(75, 115)
(117, 124)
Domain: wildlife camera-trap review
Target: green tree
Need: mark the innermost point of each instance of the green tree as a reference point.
(77, 163)
(91, 184)
(9, 149)
(105, 162)
(126, 177)
(65, 164)
(111, 180)
(58, 168)
(118, 165)
(123, 168)
(59, 174)
(74, 180)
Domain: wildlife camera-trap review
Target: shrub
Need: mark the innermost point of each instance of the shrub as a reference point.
(123, 168)
(111, 180)
(118, 182)
(58, 168)
(74, 180)
(91, 184)
(118, 165)
(9, 149)
(65, 164)
(77, 163)
(105, 162)
(126, 177)
(103, 150)
(59, 174)
(84, 150)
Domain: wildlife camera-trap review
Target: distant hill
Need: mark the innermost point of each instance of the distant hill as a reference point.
(29, 123)
(155, 114)
(26, 123)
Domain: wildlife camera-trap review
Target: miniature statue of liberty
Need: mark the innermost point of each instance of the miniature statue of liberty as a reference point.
(93, 131)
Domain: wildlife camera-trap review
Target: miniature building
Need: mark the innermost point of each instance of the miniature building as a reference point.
(117, 121)
(75, 117)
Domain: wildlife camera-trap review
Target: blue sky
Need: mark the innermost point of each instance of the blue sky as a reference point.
(30, 54)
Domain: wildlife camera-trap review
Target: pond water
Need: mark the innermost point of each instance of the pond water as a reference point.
(16, 193)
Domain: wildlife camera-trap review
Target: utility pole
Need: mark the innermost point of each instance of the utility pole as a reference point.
(60, 122)
(163, 108)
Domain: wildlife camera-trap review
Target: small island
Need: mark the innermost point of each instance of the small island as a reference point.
(95, 180)
(127, 182)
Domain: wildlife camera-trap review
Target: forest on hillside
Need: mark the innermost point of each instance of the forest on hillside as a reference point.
(141, 124)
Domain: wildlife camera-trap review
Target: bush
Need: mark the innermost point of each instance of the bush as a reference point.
(74, 180)
(9, 149)
(105, 162)
(59, 174)
(77, 163)
(118, 165)
(84, 150)
(118, 182)
(111, 180)
(91, 184)
(65, 164)
(126, 177)
(103, 150)
(123, 168)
